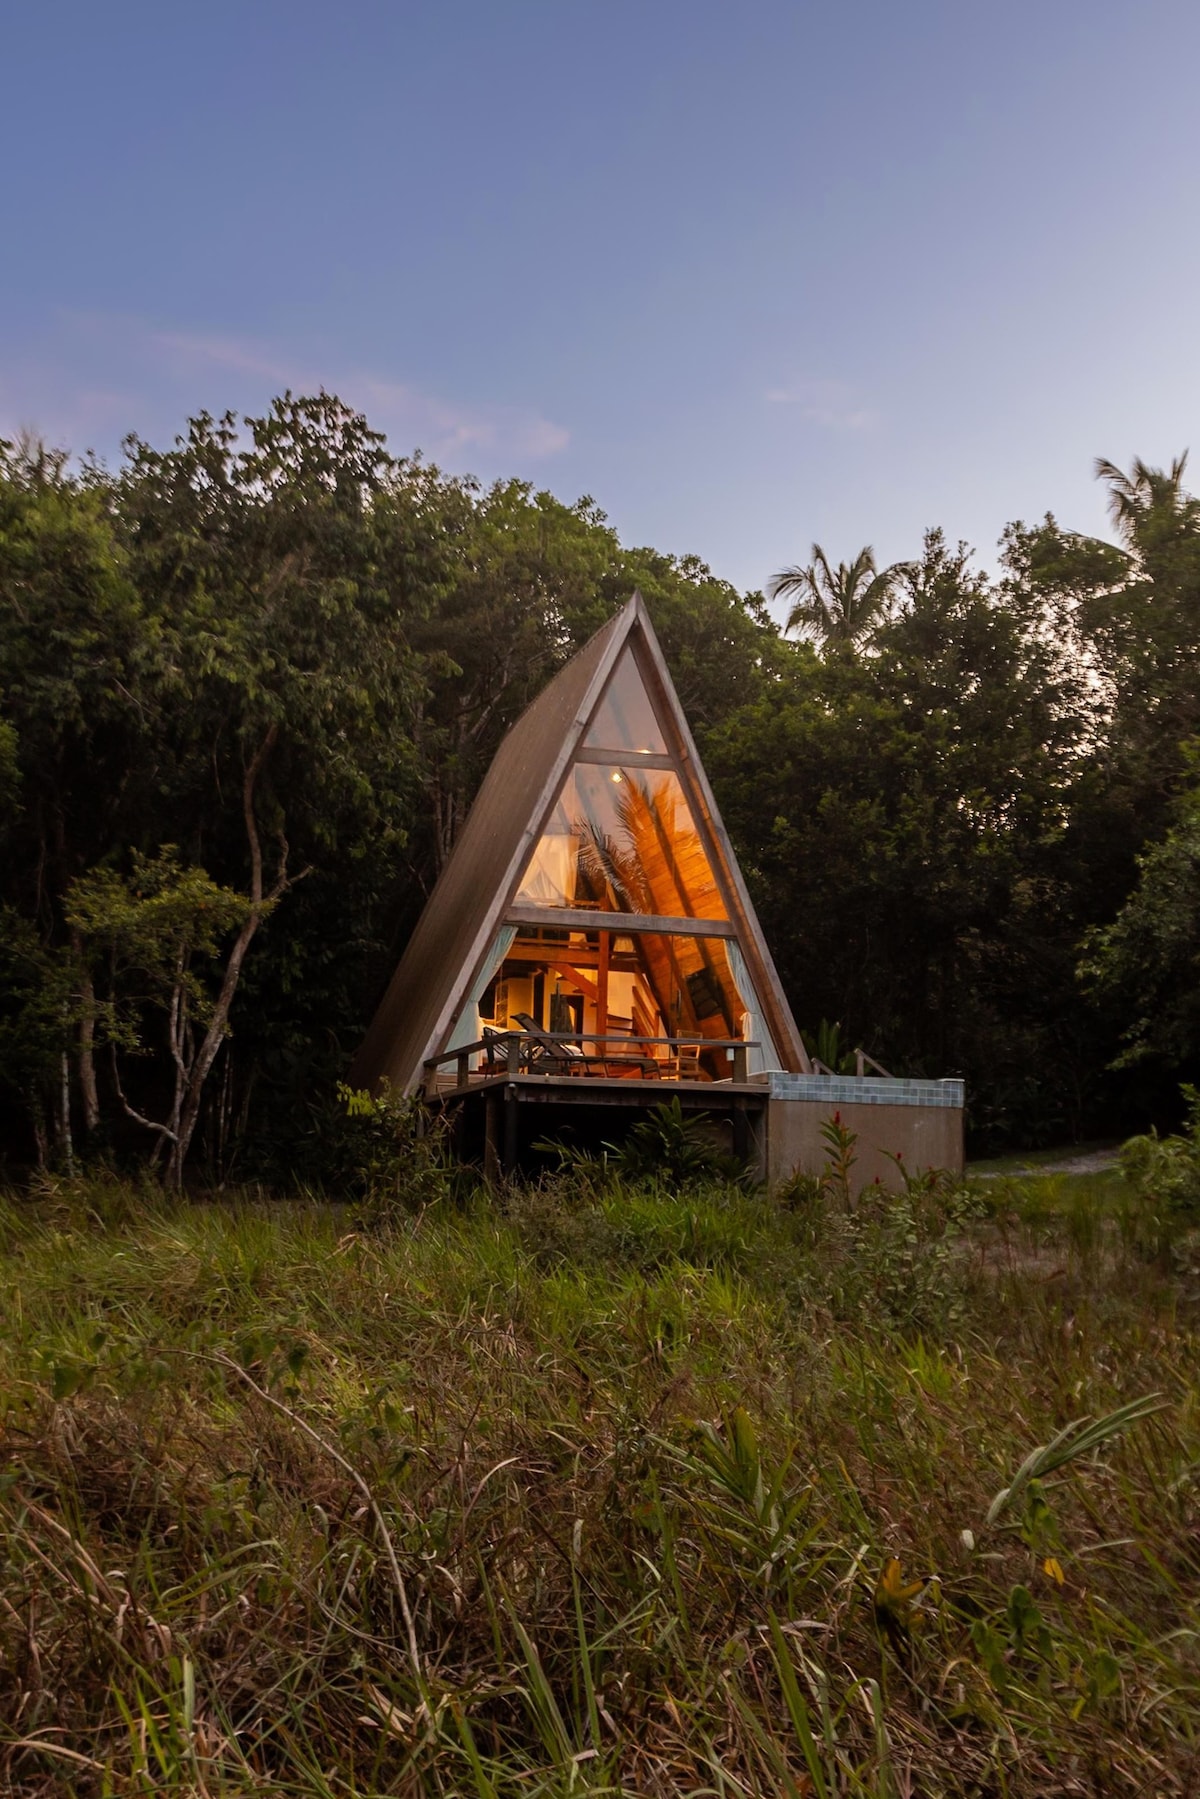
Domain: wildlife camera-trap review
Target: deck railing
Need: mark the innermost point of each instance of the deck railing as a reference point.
(862, 1061)
(521, 1052)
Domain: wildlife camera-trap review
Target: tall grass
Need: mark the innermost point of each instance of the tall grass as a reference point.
(599, 1490)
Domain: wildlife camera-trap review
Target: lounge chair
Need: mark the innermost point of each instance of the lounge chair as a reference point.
(495, 1048)
(557, 1057)
(550, 1056)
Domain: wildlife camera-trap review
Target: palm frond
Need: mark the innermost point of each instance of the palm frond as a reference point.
(788, 580)
(841, 605)
(1144, 492)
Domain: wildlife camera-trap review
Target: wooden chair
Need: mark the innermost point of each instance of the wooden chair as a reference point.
(684, 1065)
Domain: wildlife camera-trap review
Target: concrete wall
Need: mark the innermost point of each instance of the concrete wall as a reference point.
(919, 1120)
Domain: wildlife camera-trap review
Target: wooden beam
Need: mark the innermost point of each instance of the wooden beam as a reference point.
(622, 924)
(630, 759)
(572, 973)
(580, 955)
(563, 960)
(602, 984)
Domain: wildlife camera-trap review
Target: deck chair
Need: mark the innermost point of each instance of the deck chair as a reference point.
(551, 1057)
(495, 1048)
(569, 1058)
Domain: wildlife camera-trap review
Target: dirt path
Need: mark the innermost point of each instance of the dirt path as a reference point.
(1093, 1161)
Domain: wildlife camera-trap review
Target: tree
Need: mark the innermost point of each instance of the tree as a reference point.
(842, 607)
(287, 564)
(1144, 631)
(39, 1017)
(520, 587)
(1145, 965)
(1146, 497)
(1127, 622)
(147, 940)
(900, 821)
(79, 721)
(209, 650)
(286, 652)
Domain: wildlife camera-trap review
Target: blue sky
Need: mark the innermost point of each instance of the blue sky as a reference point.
(748, 274)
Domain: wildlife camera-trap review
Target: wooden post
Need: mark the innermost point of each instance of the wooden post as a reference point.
(491, 1154)
(741, 1063)
(741, 1130)
(602, 986)
(511, 1104)
(461, 1070)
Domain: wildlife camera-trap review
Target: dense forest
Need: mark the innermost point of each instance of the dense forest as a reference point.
(249, 685)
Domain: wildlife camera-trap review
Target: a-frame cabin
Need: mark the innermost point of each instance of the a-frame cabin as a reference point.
(591, 945)
(591, 932)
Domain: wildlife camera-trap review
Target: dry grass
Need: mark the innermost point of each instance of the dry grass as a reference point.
(604, 1493)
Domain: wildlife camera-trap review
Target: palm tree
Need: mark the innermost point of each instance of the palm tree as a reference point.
(1137, 499)
(842, 606)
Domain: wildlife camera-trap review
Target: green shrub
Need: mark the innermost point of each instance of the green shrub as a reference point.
(898, 1269)
(1164, 1173)
(392, 1154)
(671, 1149)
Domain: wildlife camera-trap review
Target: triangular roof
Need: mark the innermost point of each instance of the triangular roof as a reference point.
(477, 889)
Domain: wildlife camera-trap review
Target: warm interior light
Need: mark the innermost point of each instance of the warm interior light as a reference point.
(616, 774)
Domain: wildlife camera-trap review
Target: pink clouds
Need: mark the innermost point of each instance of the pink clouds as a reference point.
(91, 377)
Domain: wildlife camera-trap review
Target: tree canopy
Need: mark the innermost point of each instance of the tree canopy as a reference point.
(250, 683)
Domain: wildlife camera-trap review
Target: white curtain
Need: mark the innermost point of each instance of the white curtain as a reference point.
(754, 1025)
(550, 878)
(469, 1029)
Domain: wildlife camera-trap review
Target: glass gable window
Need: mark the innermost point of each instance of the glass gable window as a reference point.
(625, 719)
(623, 839)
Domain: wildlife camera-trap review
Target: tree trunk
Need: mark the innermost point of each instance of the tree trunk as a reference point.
(40, 1142)
(213, 1037)
(66, 1147)
(87, 1038)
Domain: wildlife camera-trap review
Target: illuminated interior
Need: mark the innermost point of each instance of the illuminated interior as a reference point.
(630, 990)
(622, 839)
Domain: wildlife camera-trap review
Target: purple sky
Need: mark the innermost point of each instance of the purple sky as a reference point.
(748, 274)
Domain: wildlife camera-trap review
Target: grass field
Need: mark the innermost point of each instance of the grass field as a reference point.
(600, 1490)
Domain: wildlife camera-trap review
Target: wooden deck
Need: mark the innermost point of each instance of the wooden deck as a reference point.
(497, 1121)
